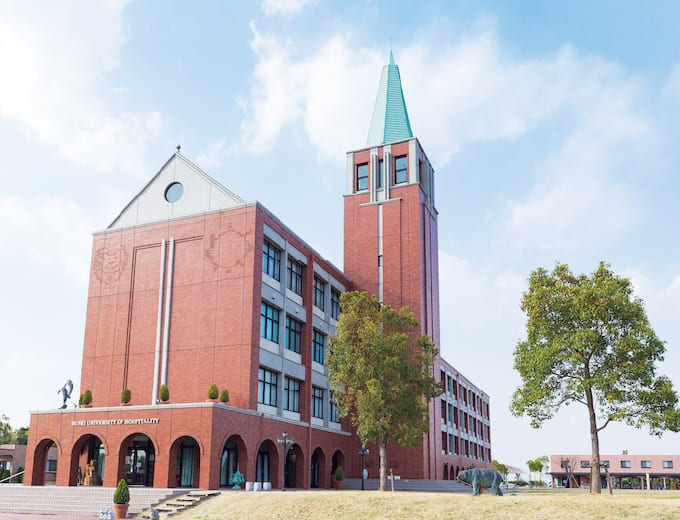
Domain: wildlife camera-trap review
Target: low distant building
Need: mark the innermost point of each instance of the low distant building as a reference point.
(13, 459)
(626, 471)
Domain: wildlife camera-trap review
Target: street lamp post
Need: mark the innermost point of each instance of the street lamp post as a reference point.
(363, 451)
(285, 441)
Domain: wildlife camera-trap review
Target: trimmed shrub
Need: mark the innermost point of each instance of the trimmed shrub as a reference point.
(164, 394)
(213, 392)
(86, 398)
(224, 396)
(339, 474)
(122, 494)
(125, 395)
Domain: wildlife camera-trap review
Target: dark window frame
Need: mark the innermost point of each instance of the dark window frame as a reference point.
(401, 169)
(319, 292)
(267, 382)
(269, 322)
(318, 347)
(362, 176)
(317, 402)
(293, 334)
(294, 281)
(291, 388)
(335, 303)
(271, 260)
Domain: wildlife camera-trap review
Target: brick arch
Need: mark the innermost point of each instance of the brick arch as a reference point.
(295, 460)
(123, 445)
(80, 459)
(319, 469)
(242, 454)
(275, 468)
(173, 466)
(40, 459)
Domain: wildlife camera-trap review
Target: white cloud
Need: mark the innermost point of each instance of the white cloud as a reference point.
(466, 91)
(49, 232)
(285, 8)
(211, 155)
(55, 58)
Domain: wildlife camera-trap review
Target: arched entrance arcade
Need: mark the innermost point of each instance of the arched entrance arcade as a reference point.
(87, 461)
(234, 455)
(267, 467)
(185, 463)
(45, 469)
(317, 470)
(137, 460)
(294, 469)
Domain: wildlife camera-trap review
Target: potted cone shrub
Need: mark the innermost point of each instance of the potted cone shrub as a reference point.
(224, 396)
(85, 399)
(121, 499)
(164, 394)
(213, 392)
(339, 478)
(125, 396)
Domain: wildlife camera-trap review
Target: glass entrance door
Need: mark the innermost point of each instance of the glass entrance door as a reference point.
(139, 462)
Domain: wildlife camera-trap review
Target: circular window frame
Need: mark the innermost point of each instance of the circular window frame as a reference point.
(171, 193)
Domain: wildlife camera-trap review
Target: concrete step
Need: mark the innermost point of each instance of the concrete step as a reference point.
(75, 501)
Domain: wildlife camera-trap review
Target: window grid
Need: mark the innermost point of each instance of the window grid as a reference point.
(269, 322)
(294, 276)
(318, 346)
(335, 303)
(645, 463)
(317, 402)
(293, 334)
(266, 387)
(667, 464)
(625, 464)
(362, 176)
(400, 169)
(271, 260)
(291, 395)
(319, 293)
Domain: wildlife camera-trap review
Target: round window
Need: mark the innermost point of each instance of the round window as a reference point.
(174, 192)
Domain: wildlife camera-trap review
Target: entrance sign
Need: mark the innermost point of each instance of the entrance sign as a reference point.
(110, 422)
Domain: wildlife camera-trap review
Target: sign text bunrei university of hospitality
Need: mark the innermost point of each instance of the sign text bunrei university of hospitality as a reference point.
(109, 422)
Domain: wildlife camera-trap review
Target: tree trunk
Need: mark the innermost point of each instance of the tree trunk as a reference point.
(383, 466)
(595, 480)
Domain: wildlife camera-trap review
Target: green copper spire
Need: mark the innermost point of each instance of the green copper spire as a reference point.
(390, 118)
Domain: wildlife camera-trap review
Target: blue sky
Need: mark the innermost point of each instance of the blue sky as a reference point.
(552, 127)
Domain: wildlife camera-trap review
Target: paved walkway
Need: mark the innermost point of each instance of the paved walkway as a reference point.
(33, 516)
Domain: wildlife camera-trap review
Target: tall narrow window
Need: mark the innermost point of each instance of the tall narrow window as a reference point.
(271, 260)
(335, 411)
(293, 334)
(400, 169)
(319, 292)
(294, 282)
(317, 402)
(362, 177)
(335, 303)
(266, 387)
(381, 174)
(318, 346)
(269, 322)
(291, 395)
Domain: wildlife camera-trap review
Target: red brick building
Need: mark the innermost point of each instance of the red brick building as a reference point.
(190, 286)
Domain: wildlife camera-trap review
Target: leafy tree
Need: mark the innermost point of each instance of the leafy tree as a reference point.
(22, 435)
(538, 465)
(381, 370)
(501, 468)
(7, 436)
(589, 342)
